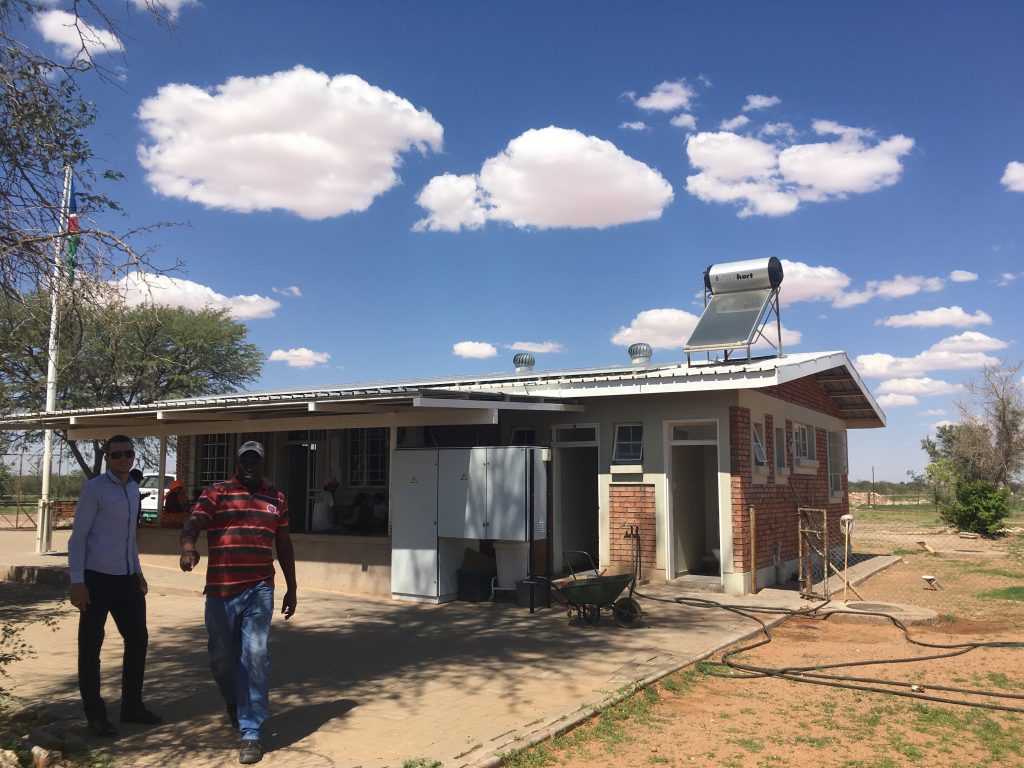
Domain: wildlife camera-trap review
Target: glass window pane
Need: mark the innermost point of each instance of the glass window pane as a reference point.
(704, 430)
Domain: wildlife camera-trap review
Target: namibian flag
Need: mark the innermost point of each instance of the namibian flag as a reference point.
(72, 241)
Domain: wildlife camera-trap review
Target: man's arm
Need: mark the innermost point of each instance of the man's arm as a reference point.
(85, 515)
(286, 557)
(189, 533)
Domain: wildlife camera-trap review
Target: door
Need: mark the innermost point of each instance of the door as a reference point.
(577, 514)
(461, 493)
(695, 528)
(297, 489)
(414, 559)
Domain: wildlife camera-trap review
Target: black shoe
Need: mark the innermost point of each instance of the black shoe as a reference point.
(142, 716)
(251, 752)
(232, 710)
(103, 728)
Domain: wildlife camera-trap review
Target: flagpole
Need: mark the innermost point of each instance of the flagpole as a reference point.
(44, 528)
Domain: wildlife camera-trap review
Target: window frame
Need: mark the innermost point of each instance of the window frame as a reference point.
(367, 468)
(758, 454)
(215, 468)
(780, 452)
(633, 440)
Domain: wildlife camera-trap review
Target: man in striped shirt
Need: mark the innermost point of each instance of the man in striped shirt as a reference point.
(244, 518)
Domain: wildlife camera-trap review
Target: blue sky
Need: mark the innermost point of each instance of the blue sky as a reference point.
(392, 190)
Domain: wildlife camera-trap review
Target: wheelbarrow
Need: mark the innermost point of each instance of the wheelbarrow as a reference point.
(588, 595)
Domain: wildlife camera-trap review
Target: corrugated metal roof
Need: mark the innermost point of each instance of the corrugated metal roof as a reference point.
(527, 390)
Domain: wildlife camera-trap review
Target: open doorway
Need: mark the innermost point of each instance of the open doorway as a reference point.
(576, 506)
(695, 527)
(297, 486)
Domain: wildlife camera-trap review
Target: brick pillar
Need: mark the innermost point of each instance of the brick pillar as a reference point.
(740, 469)
(183, 459)
(632, 504)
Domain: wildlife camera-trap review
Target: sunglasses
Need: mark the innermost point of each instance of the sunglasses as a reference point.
(119, 454)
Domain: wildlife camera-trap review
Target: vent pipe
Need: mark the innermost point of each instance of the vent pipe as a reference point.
(640, 353)
(524, 362)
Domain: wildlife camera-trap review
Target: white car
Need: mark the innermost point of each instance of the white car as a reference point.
(150, 488)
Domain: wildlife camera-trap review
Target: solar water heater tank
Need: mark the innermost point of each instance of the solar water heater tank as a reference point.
(749, 275)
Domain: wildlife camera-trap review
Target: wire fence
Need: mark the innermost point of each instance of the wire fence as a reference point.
(20, 490)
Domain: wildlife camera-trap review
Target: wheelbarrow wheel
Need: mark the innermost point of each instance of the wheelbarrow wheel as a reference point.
(591, 614)
(627, 612)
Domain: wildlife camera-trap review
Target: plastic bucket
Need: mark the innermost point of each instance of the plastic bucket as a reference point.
(513, 562)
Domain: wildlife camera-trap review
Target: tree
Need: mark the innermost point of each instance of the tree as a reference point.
(118, 356)
(45, 119)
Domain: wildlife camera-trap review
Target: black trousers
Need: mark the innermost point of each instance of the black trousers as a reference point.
(122, 598)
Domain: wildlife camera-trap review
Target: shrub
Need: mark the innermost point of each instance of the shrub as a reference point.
(979, 507)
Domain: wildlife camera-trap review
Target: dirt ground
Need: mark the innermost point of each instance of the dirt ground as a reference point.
(695, 717)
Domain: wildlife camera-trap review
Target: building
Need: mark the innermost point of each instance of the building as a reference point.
(683, 451)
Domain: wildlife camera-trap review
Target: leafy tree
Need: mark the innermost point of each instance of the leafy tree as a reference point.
(45, 119)
(117, 356)
(979, 506)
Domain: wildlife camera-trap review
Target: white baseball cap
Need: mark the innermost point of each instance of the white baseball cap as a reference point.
(252, 445)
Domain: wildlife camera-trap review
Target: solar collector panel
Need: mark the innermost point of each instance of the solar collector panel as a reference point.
(729, 320)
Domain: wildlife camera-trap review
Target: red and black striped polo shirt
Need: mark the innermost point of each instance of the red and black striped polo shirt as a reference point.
(240, 532)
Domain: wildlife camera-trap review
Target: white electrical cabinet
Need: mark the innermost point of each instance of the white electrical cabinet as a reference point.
(447, 499)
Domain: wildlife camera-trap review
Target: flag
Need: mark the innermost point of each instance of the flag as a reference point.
(72, 241)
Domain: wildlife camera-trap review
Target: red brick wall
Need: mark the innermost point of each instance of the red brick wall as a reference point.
(632, 504)
(806, 392)
(183, 461)
(776, 499)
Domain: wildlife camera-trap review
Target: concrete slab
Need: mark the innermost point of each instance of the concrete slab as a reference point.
(367, 682)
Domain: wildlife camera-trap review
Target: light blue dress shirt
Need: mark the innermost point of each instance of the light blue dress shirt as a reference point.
(104, 534)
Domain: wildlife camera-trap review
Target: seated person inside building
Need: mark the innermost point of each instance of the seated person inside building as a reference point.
(361, 519)
(323, 509)
(176, 506)
(379, 521)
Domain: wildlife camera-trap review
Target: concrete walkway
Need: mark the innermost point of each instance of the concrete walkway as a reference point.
(358, 682)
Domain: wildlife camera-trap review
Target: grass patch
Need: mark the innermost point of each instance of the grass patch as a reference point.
(1003, 681)
(1006, 593)
(818, 742)
(422, 762)
(1000, 572)
(751, 745)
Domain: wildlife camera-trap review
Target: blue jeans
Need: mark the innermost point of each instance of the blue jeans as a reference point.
(239, 657)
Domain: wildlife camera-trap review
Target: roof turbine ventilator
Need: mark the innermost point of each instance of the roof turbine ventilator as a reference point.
(523, 361)
(740, 297)
(640, 353)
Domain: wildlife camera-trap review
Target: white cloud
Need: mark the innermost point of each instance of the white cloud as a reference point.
(924, 386)
(756, 101)
(540, 347)
(635, 125)
(930, 318)
(965, 351)
(141, 288)
(896, 401)
(478, 350)
(75, 38)
(667, 97)
(901, 286)
(734, 122)
(547, 178)
(684, 120)
(289, 290)
(1013, 177)
(299, 357)
(786, 130)
(943, 423)
(933, 412)
(661, 328)
(783, 178)
(1006, 278)
(963, 276)
(170, 8)
(803, 282)
(298, 140)
(454, 203)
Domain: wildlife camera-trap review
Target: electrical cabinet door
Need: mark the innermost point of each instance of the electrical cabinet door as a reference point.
(414, 560)
(462, 493)
(507, 493)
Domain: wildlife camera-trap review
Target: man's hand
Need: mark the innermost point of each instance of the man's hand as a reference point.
(288, 604)
(80, 596)
(143, 585)
(189, 559)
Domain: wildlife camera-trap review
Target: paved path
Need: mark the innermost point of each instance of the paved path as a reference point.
(361, 682)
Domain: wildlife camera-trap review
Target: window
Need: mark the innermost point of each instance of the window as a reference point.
(523, 436)
(703, 431)
(803, 442)
(836, 462)
(214, 459)
(629, 444)
(367, 457)
(780, 448)
(760, 457)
